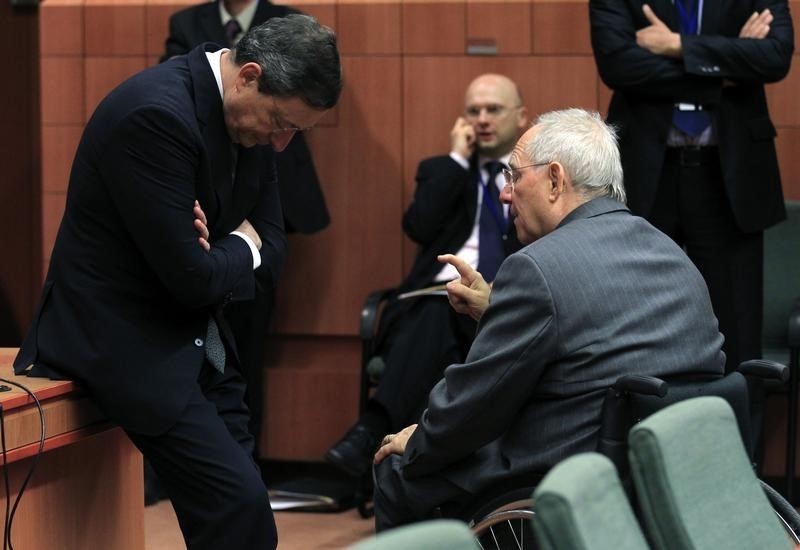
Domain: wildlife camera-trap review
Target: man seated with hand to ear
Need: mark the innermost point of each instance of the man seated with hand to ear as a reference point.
(597, 293)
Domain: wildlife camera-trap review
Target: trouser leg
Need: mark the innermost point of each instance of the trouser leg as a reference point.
(205, 463)
(399, 501)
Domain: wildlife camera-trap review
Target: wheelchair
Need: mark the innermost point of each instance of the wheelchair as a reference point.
(503, 521)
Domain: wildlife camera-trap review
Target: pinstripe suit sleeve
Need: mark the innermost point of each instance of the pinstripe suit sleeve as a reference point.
(477, 400)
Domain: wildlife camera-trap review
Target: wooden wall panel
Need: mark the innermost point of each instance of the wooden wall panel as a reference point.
(561, 28)
(62, 90)
(103, 74)
(312, 398)
(784, 107)
(505, 25)
(328, 275)
(368, 28)
(325, 12)
(64, 36)
(114, 29)
(156, 29)
(788, 146)
(59, 144)
(425, 33)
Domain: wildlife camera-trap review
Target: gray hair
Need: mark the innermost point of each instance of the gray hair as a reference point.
(585, 146)
(298, 58)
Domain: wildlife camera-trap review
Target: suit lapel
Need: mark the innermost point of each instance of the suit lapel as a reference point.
(711, 12)
(216, 195)
(665, 10)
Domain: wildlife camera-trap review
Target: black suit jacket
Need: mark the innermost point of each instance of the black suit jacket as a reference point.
(129, 291)
(718, 70)
(442, 215)
(304, 208)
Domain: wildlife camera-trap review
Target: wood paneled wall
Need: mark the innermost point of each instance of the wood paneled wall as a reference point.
(406, 69)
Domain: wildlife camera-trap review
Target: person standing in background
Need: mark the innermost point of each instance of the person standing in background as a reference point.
(696, 139)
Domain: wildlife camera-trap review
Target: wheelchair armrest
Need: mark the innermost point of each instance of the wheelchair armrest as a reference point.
(641, 384)
(793, 335)
(764, 369)
(369, 312)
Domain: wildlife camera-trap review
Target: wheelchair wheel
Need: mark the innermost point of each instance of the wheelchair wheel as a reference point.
(787, 514)
(506, 528)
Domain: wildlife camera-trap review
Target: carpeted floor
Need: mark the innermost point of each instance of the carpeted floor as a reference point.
(296, 530)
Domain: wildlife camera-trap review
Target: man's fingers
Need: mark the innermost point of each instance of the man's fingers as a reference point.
(463, 268)
(651, 16)
(384, 451)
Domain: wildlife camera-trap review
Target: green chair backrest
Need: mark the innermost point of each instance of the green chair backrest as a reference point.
(781, 280)
(435, 534)
(695, 483)
(581, 505)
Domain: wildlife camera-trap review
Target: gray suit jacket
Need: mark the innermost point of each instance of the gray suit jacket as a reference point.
(603, 295)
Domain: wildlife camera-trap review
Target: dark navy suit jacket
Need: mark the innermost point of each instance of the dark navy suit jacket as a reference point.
(129, 290)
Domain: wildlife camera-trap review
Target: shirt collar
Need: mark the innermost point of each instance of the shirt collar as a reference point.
(214, 59)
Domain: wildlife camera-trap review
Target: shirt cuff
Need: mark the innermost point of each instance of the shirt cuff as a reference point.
(253, 249)
(460, 160)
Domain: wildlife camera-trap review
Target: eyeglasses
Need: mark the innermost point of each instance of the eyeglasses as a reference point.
(493, 110)
(512, 175)
(277, 121)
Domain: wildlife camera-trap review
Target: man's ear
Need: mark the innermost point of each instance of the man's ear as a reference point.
(556, 180)
(249, 73)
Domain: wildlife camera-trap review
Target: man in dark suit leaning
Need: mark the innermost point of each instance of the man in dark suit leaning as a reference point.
(596, 294)
(456, 210)
(168, 214)
(696, 139)
(224, 22)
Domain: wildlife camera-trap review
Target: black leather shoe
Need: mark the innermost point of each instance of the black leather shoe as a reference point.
(353, 453)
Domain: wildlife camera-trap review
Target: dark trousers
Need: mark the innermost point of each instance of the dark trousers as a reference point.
(424, 338)
(249, 322)
(205, 463)
(399, 501)
(692, 207)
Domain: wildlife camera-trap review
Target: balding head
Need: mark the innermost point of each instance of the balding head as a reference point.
(493, 105)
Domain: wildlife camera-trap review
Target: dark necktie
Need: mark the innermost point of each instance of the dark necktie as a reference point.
(491, 225)
(232, 29)
(692, 122)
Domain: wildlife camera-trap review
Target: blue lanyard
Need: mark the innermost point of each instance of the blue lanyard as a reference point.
(499, 217)
(690, 22)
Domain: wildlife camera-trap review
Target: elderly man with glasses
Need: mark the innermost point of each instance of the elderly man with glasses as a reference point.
(597, 293)
(456, 210)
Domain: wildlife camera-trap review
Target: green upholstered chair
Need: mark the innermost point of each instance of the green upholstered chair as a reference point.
(438, 534)
(695, 484)
(581, 505)
(781, 331)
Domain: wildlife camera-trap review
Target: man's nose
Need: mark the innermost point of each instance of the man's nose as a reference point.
(505, 194)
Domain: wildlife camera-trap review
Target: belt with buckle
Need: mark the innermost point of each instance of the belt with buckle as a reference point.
(693, 155)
